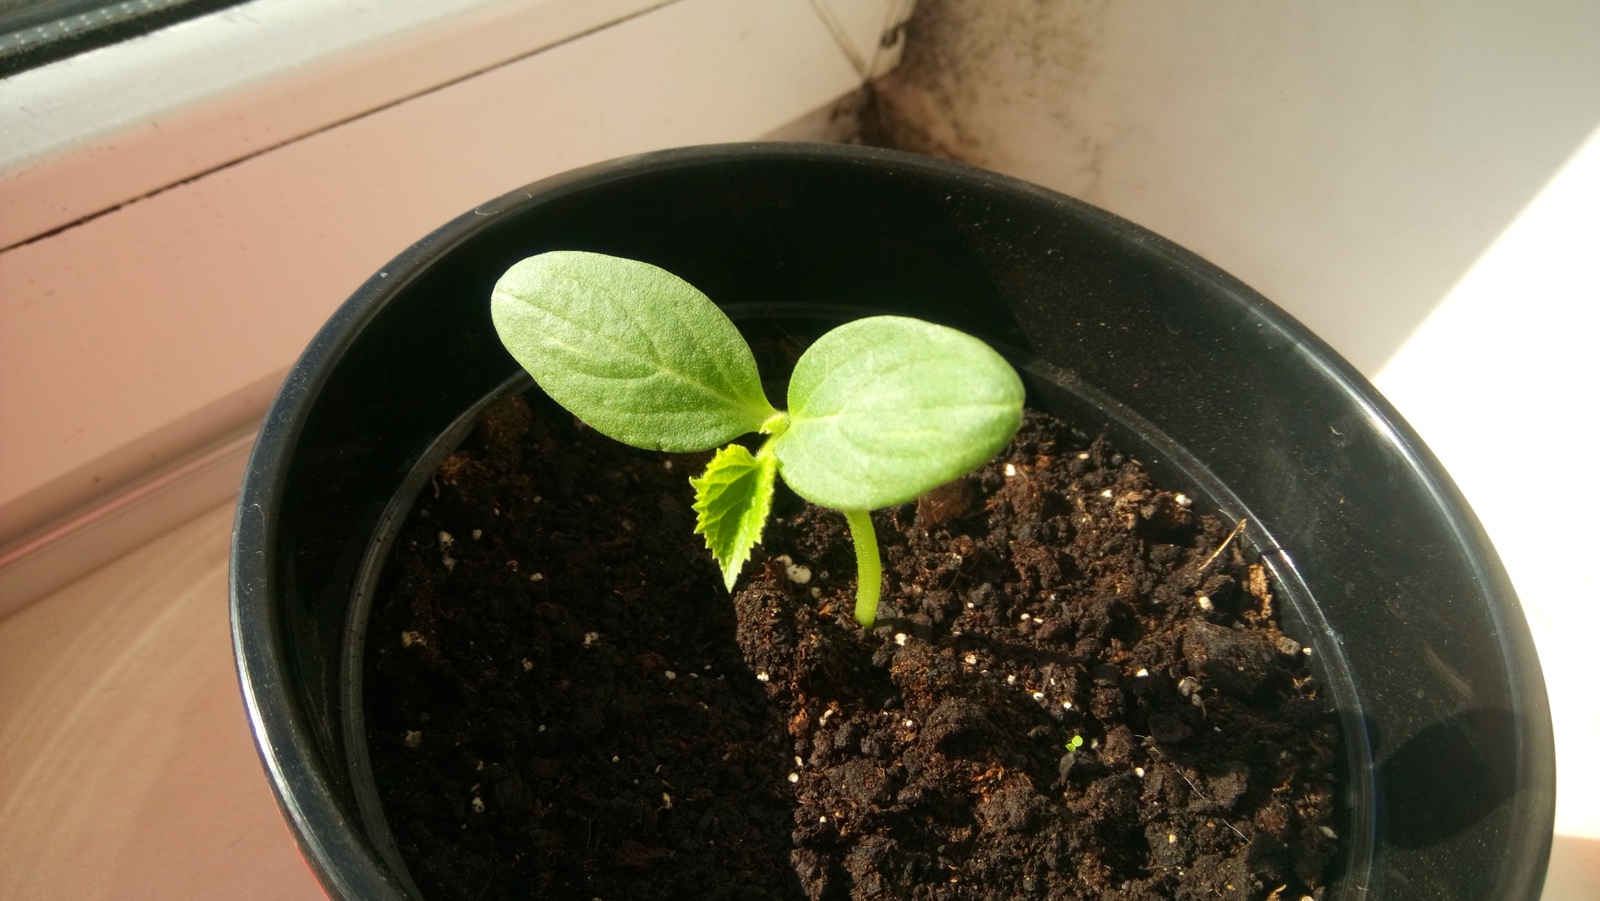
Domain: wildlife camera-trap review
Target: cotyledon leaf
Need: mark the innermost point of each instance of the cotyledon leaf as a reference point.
(886, 408)
(634, 351)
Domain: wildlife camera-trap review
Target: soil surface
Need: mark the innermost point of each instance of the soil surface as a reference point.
(1071, 693)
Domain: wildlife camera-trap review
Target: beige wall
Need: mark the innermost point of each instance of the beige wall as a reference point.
(1349, 160)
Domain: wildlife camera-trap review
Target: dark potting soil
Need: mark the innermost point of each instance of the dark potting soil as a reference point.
(1071, 693)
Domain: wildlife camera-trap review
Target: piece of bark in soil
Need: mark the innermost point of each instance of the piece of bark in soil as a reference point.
(1052, 594)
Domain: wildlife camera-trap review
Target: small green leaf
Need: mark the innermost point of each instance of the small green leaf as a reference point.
(631, 349)
(733, 498)
(886, 408)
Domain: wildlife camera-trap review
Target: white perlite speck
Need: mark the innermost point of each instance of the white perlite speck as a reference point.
(590, 638)
(671, 675)
(798, 573)
(536, 577)
(1205, 603)
(763, 677)
(900, 638)
(1011, 470)
(527, 666)
(794, 777)
(477, 805)
(476, 534)
(413, 739)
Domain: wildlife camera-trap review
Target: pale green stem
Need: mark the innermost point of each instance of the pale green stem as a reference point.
(869, 570)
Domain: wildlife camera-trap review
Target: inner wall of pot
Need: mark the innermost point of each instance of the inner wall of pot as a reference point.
(1090, 411)
(352, 662)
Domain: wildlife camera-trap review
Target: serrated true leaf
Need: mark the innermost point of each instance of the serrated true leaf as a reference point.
(733, 498)
(631, 349)
(886, 408)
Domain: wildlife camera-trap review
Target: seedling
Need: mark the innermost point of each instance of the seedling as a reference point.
(1074, 743)
(881, 410)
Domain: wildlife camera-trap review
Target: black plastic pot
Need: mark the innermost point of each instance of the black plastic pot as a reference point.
(1384, 570)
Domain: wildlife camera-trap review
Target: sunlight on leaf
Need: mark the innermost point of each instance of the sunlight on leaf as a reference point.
(885, 408)
(634, 351)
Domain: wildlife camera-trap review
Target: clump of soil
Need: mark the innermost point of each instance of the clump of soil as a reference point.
(1071, 693)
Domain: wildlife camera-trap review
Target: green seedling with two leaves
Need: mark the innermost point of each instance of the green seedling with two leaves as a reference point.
(880, 410)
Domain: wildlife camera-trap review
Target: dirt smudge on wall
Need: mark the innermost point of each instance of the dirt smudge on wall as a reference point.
(969, 68)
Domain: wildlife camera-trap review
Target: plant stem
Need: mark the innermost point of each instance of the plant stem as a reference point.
(869, 570)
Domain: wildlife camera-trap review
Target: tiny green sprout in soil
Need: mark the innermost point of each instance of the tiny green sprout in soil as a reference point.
(1074, 743)
(880, 410)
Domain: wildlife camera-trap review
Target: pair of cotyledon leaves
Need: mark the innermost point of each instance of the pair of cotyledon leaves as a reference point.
(881, 409)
